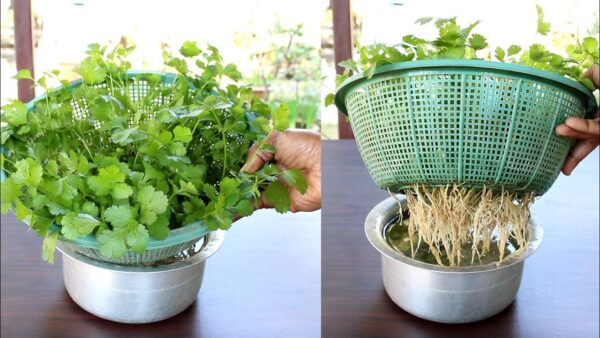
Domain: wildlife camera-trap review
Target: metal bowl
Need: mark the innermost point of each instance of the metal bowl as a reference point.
(136, 294)
(444, 294)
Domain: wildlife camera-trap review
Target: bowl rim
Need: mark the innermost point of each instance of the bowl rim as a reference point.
(474, 64)
(212, 242)
(383, 212)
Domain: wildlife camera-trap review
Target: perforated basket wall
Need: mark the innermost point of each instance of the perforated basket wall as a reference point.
(145, 99)
(177, 241)
(473, 122)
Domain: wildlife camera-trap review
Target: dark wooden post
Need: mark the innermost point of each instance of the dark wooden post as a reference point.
(24, 46)
(342, 46)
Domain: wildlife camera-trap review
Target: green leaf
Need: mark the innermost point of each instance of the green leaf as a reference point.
(590, 45)
(90, 208)
(244, 208)
(77, 225)
(123, 136)
(119, 215)
(183, 134)
(22, 212)
(28, 172)
(49, 247)
(151, 199)
(349, 64)
(277, 194)
(329, 99)
(23, 74)
(294, 177)
(542, 26)
(121, 191)
(281, 117)
(92, 72)
(10, 193)
(187, 188)
(159, 230)
(112, 243)
(147, 216)
(538, 52)
(477, 42)
(56, 209)
(513, 49)
(137, 238)
(177, 148)
(189, 49)
(423, 21)
(267, 148)
(499, 54)
(106, 179)
(15, 113)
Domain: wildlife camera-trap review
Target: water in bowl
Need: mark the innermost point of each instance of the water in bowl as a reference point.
(396, 235)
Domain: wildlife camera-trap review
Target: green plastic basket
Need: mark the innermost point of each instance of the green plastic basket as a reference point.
(179, 239)
(472, 122)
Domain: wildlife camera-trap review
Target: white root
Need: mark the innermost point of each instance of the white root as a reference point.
(448, 218)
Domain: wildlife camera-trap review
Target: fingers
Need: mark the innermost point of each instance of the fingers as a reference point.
(589, 127)
(593, 73)
(578, 153)
(257, 158)
(582, 129)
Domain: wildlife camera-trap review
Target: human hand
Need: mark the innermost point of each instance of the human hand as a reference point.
(295, 148)
(587, 132)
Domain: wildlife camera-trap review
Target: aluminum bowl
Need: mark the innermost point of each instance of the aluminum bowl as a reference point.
(444, 294)
(136, 294)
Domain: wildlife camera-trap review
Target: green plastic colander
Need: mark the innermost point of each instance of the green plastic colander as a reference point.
(471, 122)
(138, 91)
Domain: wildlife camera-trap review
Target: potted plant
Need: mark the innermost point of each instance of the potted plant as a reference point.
(470, 142)
(123, 169)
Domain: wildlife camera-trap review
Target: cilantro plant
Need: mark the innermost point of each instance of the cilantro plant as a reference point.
(129, 156)
(456, 42)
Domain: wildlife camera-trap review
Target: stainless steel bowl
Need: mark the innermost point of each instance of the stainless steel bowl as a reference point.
(443, 294)
(139, 294)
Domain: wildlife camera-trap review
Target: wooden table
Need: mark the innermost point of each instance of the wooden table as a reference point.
(559, 291)
(263, 282)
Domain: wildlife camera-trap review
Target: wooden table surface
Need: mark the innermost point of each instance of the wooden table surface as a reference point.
(263, 282)
(559, 291)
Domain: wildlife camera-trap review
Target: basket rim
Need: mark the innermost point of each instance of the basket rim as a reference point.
(345, 87)
(177, 236)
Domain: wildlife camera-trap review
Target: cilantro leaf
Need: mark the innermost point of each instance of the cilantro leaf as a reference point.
(153, 200)
(189, 49)
(137, 238)
(329, 99)
(543, 27)
(112, 243)
(280, 117)
(477, 42)
(23, 74)
(28, 172)
(277, 194)
(103, 183)
(499, 54)
(119, 215)
(49, 247)
(121, 191)
(295, 178)
(513, 49)
(77, 225)
(159, 230)
(183, 134)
